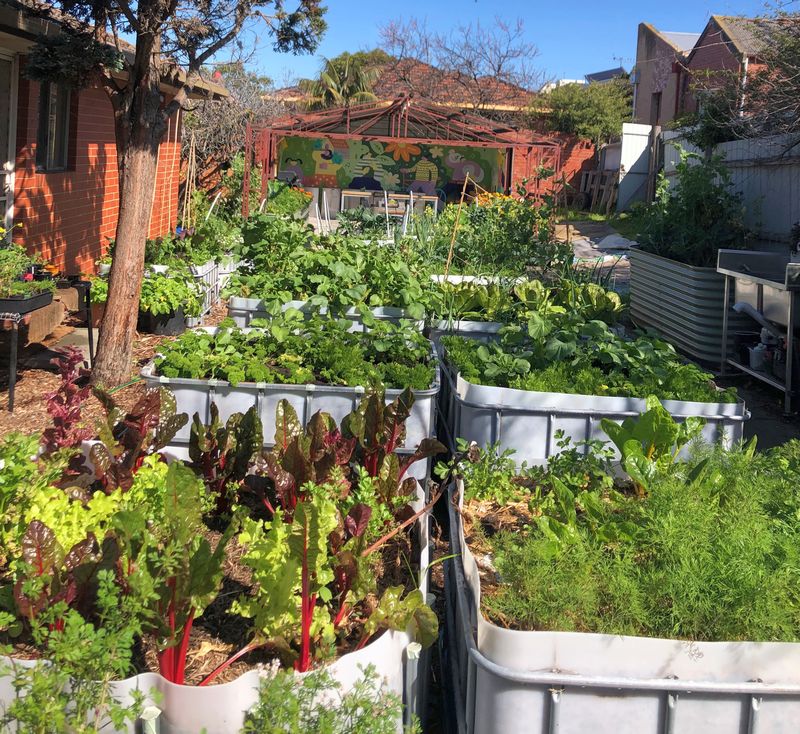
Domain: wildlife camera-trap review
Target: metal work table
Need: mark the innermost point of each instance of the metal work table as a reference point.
(770, 283)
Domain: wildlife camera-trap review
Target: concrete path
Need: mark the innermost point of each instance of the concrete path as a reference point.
(596, 246)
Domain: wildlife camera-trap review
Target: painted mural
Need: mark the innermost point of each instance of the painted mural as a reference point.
(400, 166)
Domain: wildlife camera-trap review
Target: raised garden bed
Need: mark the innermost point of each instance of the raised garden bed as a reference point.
(197, 395)
(169, 324)
(244, 310)
(510, 673)
(530, 421)
(527, 422)
(682, 303)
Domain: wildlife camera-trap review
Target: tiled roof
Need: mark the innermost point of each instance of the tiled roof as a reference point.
(416, 79)
(748, 35)
(409, 76)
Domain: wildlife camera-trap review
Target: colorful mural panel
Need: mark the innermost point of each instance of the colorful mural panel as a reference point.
(394, 166)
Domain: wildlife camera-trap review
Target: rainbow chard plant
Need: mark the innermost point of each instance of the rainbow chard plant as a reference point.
(125, 439)
(336, 498)
(223, 454)
(169, 565)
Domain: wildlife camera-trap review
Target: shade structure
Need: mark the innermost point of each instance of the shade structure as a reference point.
(408, 133)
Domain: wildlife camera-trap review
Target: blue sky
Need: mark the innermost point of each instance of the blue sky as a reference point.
(574, 37)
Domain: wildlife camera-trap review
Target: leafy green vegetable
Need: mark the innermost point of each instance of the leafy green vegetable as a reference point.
(581, 358)
(709, 552)
(318, 350)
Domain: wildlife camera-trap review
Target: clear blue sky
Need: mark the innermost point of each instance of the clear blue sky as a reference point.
(574, 37)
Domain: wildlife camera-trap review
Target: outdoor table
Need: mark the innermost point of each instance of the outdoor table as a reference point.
(83, 287)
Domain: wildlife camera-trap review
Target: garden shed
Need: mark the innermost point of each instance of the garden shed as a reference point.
(405, 146)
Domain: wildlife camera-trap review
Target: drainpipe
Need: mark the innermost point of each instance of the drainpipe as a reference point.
(745, 61)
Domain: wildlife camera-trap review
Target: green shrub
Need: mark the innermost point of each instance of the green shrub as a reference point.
(697, 217)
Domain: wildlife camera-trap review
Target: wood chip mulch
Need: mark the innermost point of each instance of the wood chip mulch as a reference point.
(36, 378)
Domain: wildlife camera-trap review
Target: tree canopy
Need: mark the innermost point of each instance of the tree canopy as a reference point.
(345, 79)
(173, 42)
(595, 111)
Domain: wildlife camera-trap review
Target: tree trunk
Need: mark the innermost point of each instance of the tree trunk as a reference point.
(140, 127)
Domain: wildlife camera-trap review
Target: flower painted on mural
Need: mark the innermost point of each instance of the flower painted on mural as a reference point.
(403, 151)
(436, 152)
(389, 180)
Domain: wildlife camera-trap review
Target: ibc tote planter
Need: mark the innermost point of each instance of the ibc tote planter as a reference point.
(197, 395)
(526, 421)
(538, 682)
(244, 310)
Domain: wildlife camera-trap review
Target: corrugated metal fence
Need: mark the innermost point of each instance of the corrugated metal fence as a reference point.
(766, 171)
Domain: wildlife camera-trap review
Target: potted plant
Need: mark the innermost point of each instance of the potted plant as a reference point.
(579, 593)
(165, 303)
(20, 291)
(675, 288)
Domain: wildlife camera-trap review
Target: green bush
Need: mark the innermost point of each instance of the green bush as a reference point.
(697, 217)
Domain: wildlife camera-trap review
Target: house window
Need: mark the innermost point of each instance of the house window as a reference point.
(52, 146)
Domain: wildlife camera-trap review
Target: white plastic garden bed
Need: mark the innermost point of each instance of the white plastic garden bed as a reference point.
(536, 682)
(196, 396)
(206, 278)
(221, 709)
(244, 310)
(483, 331)
(527, 421)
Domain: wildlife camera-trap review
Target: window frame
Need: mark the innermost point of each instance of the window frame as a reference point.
(63, 120)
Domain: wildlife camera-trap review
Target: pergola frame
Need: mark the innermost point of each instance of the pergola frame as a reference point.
(404, 120)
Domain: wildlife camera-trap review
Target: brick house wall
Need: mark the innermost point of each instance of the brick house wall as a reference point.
(658, 78)
(714, 59)
(713, 53)
(69, 216)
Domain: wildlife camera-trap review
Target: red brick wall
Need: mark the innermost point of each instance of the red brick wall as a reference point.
(575, 156)
(68, 216)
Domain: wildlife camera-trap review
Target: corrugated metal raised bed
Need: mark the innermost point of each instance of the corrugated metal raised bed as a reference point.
(244, 310)
(527, 421)
(682, 303)
(539, 682)
(221, 709)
